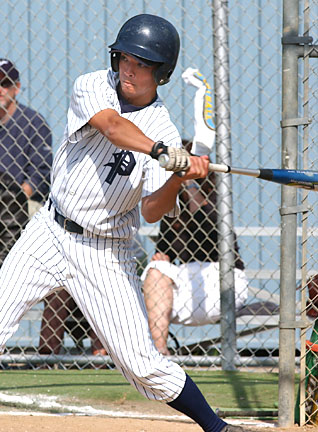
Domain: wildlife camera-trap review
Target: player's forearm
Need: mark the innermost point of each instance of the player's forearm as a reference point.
(160, 202)
(121, 132)
(127, 136)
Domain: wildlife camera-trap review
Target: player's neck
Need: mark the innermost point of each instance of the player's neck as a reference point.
(137, 102)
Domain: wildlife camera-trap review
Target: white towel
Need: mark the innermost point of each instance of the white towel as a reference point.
(204, 126)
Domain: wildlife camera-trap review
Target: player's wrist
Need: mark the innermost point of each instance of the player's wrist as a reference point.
(177, 179)
(158, 148)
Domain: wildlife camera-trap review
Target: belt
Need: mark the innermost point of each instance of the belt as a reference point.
(66, 223)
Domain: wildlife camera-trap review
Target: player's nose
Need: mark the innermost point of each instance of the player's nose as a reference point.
(130, 68)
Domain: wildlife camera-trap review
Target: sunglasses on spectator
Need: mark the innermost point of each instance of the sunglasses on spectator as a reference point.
(6, 83)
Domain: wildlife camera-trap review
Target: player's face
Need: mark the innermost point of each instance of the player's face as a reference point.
(137, 84)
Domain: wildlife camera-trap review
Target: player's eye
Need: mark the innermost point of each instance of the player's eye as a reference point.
(143, 65)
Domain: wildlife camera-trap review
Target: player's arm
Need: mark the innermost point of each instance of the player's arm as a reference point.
(121, 132)
(160, 202)
(127, 136)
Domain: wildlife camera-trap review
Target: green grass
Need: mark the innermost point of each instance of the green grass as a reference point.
(225, 390)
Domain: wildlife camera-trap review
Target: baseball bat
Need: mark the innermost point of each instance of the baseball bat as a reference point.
(305, 179)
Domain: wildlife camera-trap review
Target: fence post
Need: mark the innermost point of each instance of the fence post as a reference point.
(290, 51)
(223, 155)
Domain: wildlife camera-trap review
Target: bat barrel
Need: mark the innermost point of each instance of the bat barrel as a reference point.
(305, 179)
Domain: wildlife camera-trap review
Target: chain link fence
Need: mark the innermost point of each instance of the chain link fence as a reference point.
(306, 406)
(51, 43)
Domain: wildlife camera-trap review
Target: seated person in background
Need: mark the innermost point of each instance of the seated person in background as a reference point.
(188, 293)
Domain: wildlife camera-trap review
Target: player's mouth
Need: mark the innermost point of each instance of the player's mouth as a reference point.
(128, 84)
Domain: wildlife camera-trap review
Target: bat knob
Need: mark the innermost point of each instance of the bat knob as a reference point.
(163, 160)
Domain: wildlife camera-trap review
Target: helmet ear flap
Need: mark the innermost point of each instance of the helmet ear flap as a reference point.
(114, 60)
(162, 74)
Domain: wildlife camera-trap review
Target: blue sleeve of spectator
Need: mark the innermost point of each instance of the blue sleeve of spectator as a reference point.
(40, 158)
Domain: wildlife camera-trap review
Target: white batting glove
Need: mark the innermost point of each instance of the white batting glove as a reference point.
(171, 158)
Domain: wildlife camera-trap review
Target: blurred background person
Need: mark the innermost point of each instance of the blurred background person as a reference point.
(181, 284)
(25, 158)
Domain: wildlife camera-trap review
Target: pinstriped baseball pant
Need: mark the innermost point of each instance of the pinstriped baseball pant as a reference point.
(100, 275)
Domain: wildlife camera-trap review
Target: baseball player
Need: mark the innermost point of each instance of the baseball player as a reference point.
(81, 240)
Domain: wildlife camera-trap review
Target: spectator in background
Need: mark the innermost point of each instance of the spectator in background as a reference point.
(188, 293)
(25, 164)
(25, 158)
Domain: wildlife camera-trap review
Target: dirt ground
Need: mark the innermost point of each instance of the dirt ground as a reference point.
(96, 424)
(18, 421)
(10, 423)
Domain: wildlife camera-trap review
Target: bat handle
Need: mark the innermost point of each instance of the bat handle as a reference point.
(219, 168)
(164, 159)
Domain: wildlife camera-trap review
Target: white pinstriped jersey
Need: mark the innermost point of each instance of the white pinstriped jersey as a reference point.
(95, 183)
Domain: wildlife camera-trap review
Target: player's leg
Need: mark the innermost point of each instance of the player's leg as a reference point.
(158, 293)
(25, 277)
(109, 295)
(107, 289)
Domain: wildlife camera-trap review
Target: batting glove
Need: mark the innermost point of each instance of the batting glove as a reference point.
(171, 158)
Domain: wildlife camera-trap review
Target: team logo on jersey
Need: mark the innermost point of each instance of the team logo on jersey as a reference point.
(124, 163)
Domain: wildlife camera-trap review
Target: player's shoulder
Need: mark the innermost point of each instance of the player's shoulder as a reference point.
(99, 77)
(161, 110)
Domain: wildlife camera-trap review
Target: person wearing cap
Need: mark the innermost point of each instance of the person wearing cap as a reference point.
(25, 158)
(106, 171)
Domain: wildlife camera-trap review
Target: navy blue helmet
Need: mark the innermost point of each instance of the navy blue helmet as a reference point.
(152, 39)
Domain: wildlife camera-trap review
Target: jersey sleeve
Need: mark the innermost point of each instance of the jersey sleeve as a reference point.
(92, 93)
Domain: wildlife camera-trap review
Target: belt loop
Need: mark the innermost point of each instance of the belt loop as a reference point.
(50, 204)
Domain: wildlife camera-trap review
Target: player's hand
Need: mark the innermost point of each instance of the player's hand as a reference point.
(160, 256)
(179, 161)
(175, 159)
(199, 168)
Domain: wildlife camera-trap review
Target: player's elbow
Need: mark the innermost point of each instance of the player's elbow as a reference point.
(150, 210)
(150, 217)
(106, 122)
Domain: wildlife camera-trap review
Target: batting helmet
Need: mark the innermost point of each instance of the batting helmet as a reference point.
(150, 38)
